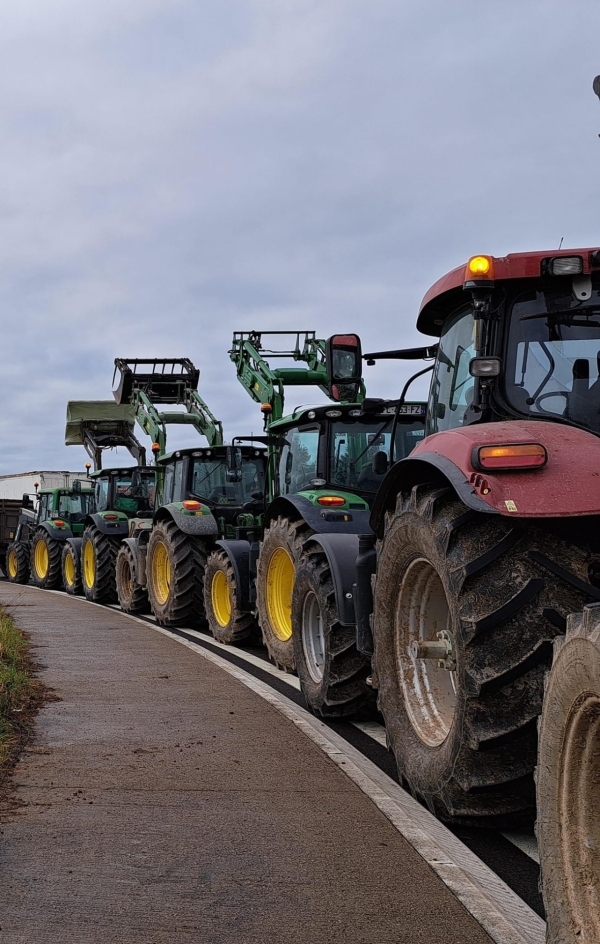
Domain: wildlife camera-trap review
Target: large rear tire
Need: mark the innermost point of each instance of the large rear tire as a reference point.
(175, 567)
(280, 554)
(227, 622)
(132, 597)
(490, 589)
(332, 671)
(17, 563)
(568, 785)
(71, 570)
(46, 557)
(98, 558)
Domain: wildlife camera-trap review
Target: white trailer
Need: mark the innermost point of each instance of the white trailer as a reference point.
(15, 486)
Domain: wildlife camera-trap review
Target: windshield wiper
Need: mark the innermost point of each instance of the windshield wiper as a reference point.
(567, 317)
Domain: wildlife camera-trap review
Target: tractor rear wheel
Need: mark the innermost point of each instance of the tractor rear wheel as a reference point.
(280, 554)
(71, 570)
(332, 672)
(466, 608)
(175, 567)
(46, 556)
(132, 597)
(568, 785)
(17, 563)
(227, 622)
(98, 558)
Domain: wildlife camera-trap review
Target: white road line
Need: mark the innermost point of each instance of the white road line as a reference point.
(499, 910)
(526, 842)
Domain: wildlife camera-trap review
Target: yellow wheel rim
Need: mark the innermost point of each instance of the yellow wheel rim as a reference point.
(69, 569)
(161, 573)
(13, 564)
(89, 565)
(220, 598)
(280, 585)
(41, 561)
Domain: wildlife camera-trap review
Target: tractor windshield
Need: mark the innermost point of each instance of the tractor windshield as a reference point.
(353, 446)
(553, 360)
(76, 506)
(209, 481)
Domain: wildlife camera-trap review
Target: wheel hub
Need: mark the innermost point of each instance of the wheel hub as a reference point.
(313, 638)
(425, 658)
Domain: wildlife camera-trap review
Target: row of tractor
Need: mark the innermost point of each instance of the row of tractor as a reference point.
(443, 558)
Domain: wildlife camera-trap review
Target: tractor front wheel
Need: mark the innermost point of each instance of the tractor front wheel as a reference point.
(71, 570)
(227, 622)
(17, 563)
(466, 608)
(98, 557)
(568, 784)
(332, 671)
(175, 575)
(132, 597)
(279, 557)
(46, 556)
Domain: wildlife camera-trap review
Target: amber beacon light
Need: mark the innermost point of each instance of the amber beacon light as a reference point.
(479, 268)
(509, 457)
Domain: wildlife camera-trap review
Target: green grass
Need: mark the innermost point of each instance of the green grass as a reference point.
(17, 688)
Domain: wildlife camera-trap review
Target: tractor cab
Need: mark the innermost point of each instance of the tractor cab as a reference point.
(130, 492)
(69, 505)
(347, 448)
(228, 481)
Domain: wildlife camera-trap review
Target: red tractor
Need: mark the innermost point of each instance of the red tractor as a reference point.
(487, 536)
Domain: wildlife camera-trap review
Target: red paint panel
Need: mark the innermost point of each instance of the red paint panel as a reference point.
(569, 484)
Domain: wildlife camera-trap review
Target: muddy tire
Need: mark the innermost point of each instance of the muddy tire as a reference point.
(175, 567)
(132, 598)
(568, 784)
(46, 557)
(17, 563)
(71, 570)
(332, 672)
(280, 554)
(98, 559)
(227, 622)
(465, 740)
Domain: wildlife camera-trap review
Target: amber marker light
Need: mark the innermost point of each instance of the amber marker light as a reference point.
(330, 501)
(191, 505)
(508, 457)
(479, 268)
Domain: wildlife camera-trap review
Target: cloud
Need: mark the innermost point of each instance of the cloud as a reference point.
(172, 171)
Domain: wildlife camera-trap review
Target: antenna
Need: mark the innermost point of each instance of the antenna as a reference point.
(561, 242)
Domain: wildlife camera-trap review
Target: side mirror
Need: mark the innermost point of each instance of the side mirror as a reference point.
(379, 463)
(27, 503)
(233, 475)
(343, 356)
(485, 367)
(76, 487)
(233, 459)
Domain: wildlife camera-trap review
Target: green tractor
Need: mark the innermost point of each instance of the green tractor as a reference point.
(204, 493)
(123, 497)
(47, 523)
(325, 465)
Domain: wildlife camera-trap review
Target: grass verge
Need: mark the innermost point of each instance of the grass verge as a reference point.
(20, 692)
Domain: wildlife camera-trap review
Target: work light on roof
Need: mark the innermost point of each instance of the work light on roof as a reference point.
(566, 265)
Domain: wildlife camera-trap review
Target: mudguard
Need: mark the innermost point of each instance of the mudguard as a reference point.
(200, 525)
(239, 553)
(568, 485)
(139, 552)
(319, 519)
(117, 529)
(75, 543)
(341, 551)
(57, 534)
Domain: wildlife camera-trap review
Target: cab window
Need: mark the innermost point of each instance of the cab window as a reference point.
(298, 460)
(452, 385)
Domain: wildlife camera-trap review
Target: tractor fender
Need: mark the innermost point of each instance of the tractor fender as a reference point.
(75, 544)
(198, 525)
(57, 534)
(317, 518)
(139, 551)
(117, 529)
(238, 553)
(567, 486)
(341, 551)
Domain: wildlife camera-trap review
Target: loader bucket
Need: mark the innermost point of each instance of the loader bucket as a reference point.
(163, 380)
(102, 416)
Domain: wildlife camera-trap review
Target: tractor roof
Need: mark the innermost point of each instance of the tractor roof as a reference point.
(445, 294)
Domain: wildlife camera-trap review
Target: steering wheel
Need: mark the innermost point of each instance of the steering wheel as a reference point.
(545, 396)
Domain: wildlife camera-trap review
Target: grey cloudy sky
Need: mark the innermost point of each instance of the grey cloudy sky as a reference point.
(172, 170)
